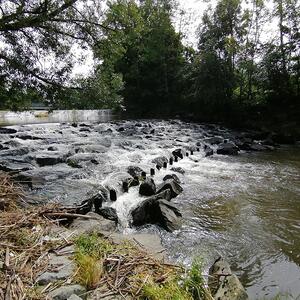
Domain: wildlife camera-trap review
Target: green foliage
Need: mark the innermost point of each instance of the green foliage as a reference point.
(100, 91)
(192, 286)
(90, 270)
(37, 39)
(194, 282)
(146, 50)
(169, 291)
(92, 245)
(89, 252)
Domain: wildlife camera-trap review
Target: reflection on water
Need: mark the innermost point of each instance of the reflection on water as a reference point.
(246, 208)
(56, 116)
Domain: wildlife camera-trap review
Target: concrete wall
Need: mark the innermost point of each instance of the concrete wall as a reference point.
(57, 116)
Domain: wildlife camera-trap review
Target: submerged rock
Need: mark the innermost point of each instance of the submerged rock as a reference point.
(147, 188)
(97, 223)
(49, 159)
(15, 165)
(227, 149)
(216, 140)
(178, 170)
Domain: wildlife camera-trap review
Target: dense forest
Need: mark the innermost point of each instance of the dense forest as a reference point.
(244, 68)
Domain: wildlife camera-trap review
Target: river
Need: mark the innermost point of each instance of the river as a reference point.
(244, 207)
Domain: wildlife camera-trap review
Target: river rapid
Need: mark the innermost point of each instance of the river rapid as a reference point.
(244, 207)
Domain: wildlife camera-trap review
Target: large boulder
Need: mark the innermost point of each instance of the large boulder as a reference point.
(227, 149)
(147, 188)
(172, 185)
(171, 216)
(156, 210)
(223, 284)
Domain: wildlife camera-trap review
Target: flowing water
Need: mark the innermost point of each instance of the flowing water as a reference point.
(245, 208)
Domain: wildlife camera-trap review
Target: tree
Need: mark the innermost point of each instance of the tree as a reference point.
(146, 50)
(102, 90)
(36, 39)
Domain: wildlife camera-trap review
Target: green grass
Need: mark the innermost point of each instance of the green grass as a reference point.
(92, 245)
(89, 252)
(169, 291)
(188, 287)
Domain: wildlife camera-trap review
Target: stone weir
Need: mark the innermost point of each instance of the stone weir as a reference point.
(55, 116)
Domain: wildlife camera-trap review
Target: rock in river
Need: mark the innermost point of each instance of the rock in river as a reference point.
(227, 149)
(109, 213)
(134, 171)
(6, 130)
(49, 158)
(159, 161)
(156, 210)
(208, 151)
(147, 188)
(172, 176)
(216, 140)
(172, 185)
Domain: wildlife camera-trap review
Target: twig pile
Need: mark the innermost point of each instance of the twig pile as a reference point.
(11, 194)
(23, 249)
(128, 268)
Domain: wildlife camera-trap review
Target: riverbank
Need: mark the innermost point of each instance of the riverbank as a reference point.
(87, 259)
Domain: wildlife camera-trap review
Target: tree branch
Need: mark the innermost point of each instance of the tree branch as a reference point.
(33, 21)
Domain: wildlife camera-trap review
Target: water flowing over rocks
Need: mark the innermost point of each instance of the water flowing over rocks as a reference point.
(227, 149)
(147, 188)
(84, 165)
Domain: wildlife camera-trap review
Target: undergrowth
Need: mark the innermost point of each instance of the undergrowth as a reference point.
(102, 262)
